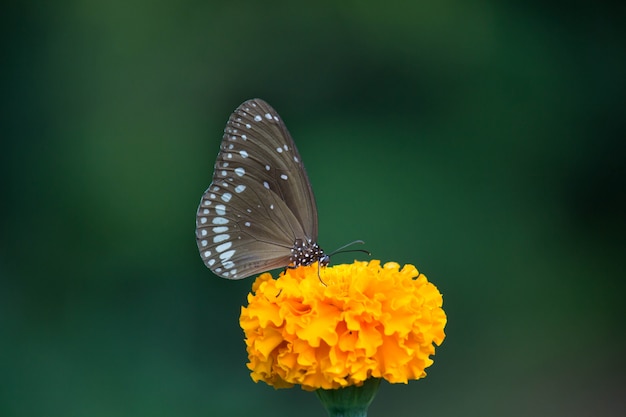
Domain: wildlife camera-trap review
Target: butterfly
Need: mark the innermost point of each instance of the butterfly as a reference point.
(259, 212)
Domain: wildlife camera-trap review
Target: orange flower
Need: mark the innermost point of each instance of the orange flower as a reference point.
(341, 327)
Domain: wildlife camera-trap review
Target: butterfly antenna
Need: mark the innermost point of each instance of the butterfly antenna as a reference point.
(341, 249)
(336, 251)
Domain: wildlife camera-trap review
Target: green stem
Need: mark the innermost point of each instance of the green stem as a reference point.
(350, 401)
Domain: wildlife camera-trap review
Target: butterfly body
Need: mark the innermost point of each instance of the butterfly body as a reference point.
(259, 212)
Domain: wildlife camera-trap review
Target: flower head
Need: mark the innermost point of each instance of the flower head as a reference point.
(341, 327)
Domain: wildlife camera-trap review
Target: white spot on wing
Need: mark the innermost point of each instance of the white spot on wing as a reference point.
(220, 209)
(228, 265)
(279, 150)
(266, 185)
(211, 262)
(224, 246)
(244, 137)
(220, 220)
(220, 238)
(203, 220)
(268, 116)
(220, 229)
(283, 176)
(243, 154)
(203, 232)
(247, 224)
(204, 243)
(226, 256)
(257, 118)
(240, 188)
(240, 171)
(226, 197)
(267, 167)
(248, 125)
(207, 253)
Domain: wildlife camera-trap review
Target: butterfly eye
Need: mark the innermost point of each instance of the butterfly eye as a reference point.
(259, 212)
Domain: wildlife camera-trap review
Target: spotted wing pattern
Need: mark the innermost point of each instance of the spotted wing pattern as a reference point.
(259, 212)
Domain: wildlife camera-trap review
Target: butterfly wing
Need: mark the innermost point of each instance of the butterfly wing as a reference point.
(260, 200)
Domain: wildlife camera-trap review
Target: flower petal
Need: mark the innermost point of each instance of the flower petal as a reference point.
(343, 326)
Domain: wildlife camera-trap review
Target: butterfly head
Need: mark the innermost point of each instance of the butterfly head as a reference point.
(306, 252)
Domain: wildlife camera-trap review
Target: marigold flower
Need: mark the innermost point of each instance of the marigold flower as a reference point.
(339, 328)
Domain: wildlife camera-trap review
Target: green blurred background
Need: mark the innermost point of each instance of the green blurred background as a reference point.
(483, 143)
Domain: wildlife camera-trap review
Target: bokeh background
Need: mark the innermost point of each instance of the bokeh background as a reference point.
(483, 143)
